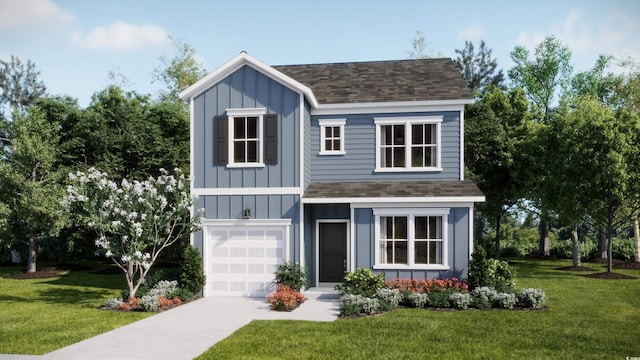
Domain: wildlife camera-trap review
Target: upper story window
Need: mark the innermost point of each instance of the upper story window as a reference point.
(411, 238)
(408, 143)
(332, 136)
(246, 138)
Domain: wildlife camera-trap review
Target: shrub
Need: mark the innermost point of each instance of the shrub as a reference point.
(427, 285)
(357, 304)
(482, 297)
(439, 298)
(163, 288)
(285, 298)
(418, 300)
(460, 300)
(292, 275)
(112, 303)
(501, 275)
(531, 298)
(623, 249)
(182, 294)
(562, 249)
(479, 269)
(192, 276)
(504, 301)
(361, 282)
(388, 298)
(150, 303)
(164, 302)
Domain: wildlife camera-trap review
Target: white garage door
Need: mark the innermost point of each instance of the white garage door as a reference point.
(241, 259)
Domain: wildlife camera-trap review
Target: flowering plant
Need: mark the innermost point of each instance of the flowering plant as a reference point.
(285, 298)
(136, 220)
(427, 285)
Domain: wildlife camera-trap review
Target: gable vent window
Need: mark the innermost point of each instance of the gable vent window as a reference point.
(408, 144)
(332, 136)
(246, 138)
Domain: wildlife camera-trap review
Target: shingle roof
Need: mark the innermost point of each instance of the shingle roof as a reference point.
(381, 81)
(382, 189)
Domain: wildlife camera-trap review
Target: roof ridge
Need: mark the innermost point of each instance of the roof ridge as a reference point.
(364, 62)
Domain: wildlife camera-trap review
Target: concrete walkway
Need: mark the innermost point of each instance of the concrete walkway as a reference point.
(188, 330)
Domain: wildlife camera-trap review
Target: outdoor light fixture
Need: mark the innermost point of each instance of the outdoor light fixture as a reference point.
(246, 214)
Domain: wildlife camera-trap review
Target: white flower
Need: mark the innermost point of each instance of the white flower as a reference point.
(116, 223)
(125, 238)
(137, 254)
(72, 176)
(108, 253)
(143, 217)
(137, 227)
(125, 259)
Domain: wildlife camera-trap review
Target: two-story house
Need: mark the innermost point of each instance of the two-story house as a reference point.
(332, 166)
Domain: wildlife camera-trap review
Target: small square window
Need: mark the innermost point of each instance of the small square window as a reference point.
(332, 136)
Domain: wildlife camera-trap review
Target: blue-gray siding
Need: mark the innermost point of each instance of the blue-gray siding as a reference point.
(360, 146)
(247, 88)
(307, 145)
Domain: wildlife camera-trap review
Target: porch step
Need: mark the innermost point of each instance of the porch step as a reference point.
(322, 293)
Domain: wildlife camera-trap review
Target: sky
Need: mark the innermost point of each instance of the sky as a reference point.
(75, 44)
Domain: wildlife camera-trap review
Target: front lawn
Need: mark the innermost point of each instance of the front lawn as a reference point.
(586, 319)
(41, 315)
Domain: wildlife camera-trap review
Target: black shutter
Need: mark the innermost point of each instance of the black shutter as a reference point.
(271, 139)
(220, 145)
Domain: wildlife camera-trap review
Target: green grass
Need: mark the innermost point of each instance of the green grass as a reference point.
(586, 319)
(41, 315)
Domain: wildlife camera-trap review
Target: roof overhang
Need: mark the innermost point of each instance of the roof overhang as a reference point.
(238, 62)
(389, 200)
(390, 107)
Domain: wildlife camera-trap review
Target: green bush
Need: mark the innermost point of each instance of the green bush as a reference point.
(563, 249)
(504, 301)
(357, 304)
(291, 275)
(361, 282)
(184, 294)
(478, 268)
(417, 299)
(192, 276)
(482, 297)
(440, 298)
(531, 298)
(623, 249)
(501, 276)
(388, 298)
(460, 301)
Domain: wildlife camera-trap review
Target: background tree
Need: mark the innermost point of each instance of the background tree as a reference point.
(419, 46)
(478, 69)
(19, 84)
(543, 77)
(494, 128)
(31, 187)
(179, 72)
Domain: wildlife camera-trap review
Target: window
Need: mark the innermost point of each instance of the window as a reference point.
(332, 136)
(246, 138)
(411, 238)
(408, 144)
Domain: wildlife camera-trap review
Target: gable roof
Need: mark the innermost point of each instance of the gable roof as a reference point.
(396, 81)
(381, 81)
(435, 190)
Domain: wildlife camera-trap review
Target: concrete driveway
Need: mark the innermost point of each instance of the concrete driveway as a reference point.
(188, 330)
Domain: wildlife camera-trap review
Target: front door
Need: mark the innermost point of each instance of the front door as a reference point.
(332, 251)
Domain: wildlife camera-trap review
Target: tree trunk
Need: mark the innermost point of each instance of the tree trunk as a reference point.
(609, 245)
(543, 249)
(31, 262)
(602, 242)
(636, 236)
(575, 248)
(498, 221)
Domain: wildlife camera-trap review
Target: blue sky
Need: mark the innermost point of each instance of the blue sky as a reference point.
(76, 43)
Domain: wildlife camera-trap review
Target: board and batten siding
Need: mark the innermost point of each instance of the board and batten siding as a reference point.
(307, 145)
(359, 162)
(247, 88)
(458, 251)
(262, 207)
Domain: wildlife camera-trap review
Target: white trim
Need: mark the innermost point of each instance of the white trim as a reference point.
(391, 107)
(248, 191)
(246, 111)
(407, 121)
(192, 151)
(247, 222)
(301, 154)
(352, 227)
(461, 200)
(245, 165)
(317, 244)
(238, 62)
(470, 231)
(461, 145)
(411, 213)
(324, 123)
(414, 205)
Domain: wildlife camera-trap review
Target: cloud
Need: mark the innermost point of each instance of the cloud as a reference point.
(34, 14)
(473, 33)
(121, 36)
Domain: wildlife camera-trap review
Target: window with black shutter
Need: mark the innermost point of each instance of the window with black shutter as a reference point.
(246, 138)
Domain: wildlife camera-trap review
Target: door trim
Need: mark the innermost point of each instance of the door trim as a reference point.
(317, 245)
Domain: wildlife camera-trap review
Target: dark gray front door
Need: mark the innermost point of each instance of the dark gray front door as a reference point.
(332, 250)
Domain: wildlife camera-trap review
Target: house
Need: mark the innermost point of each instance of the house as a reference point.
(332, 166)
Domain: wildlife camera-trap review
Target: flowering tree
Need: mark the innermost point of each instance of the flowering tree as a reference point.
(135, 221)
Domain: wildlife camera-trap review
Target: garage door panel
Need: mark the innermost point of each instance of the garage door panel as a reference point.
(243, 261)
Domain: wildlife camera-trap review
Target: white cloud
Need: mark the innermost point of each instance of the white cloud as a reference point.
(122, 36)
(473, 33)
(32, 14)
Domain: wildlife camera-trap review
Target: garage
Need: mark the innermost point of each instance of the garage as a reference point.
(240, 257)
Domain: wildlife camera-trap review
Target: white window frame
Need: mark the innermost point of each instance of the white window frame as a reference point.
(324, 124)
(411, 214)
(407, 122)
(246, 112)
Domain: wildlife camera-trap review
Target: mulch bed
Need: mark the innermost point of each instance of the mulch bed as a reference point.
(609, 275)
(48, 272)
(576, 268)
(606, 261)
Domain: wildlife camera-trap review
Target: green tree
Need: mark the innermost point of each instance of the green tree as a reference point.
(494, 130)
(544, 77)
(179, 72)
(31, 188)
(478, 69)
(19, 84)
(418, 47)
